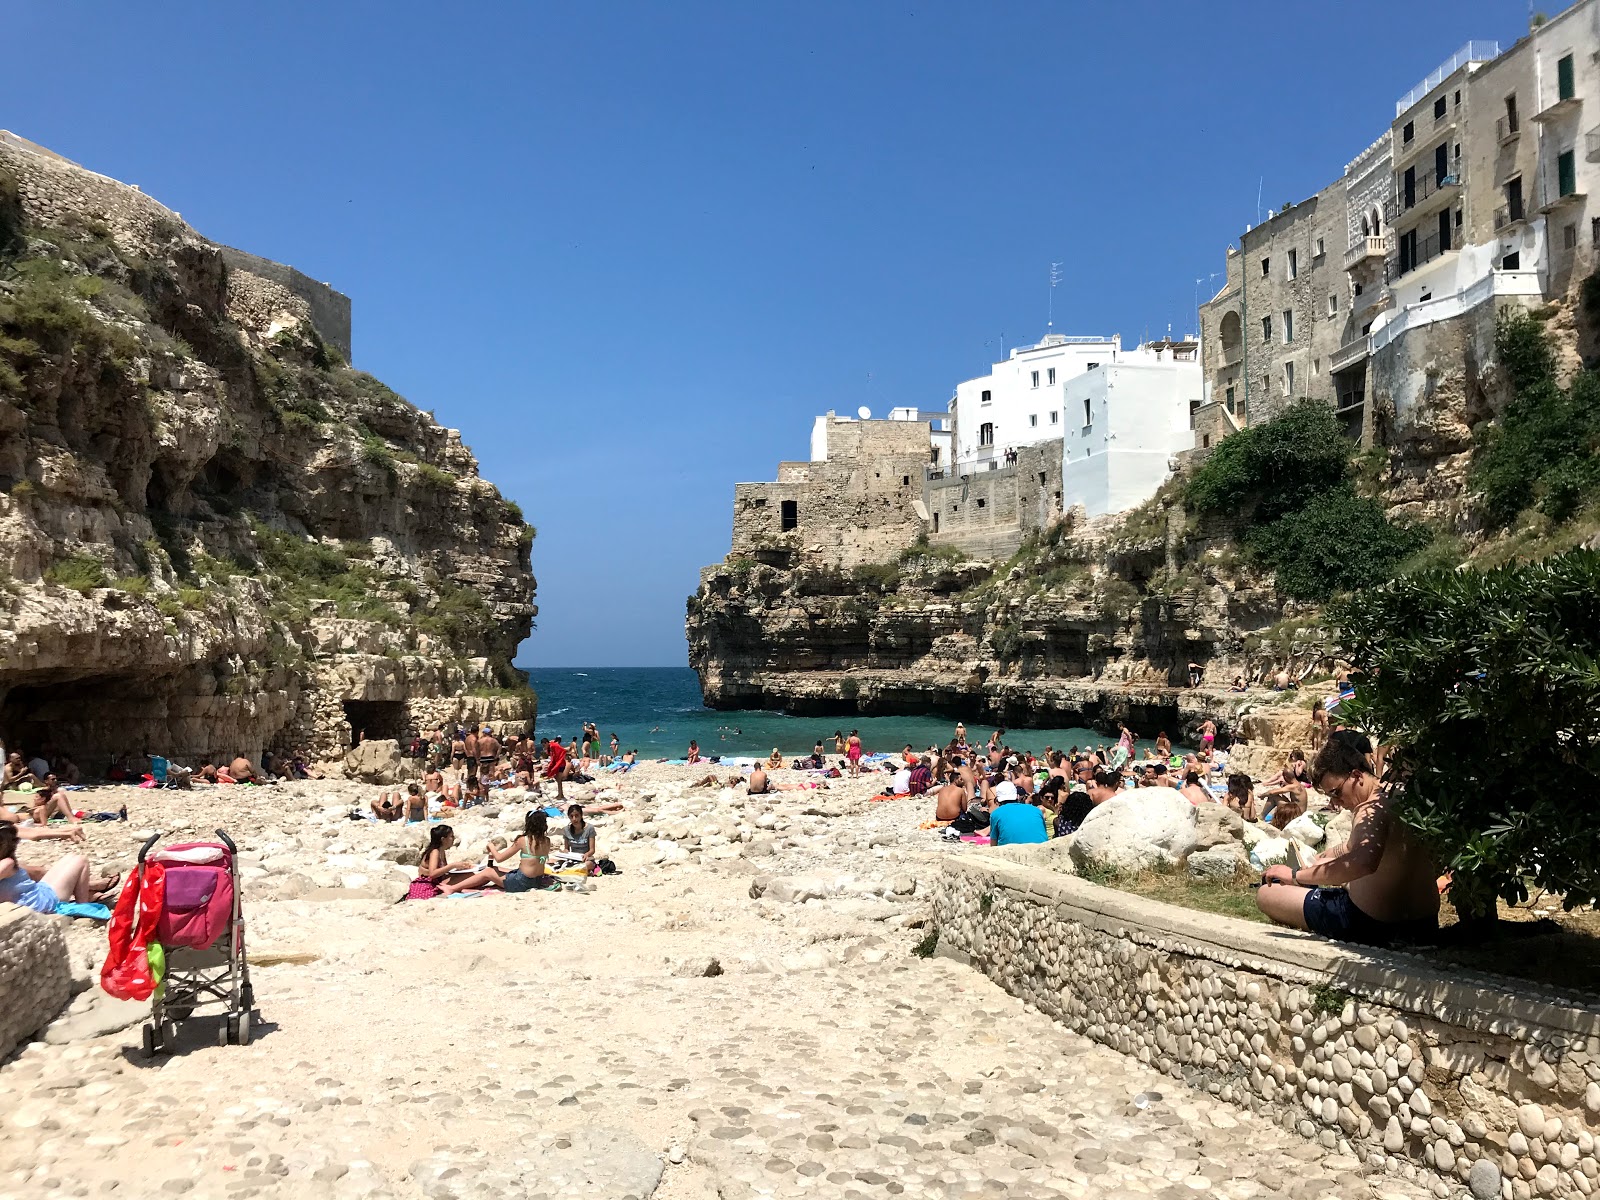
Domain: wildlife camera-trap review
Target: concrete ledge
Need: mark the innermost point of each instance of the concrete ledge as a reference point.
(35, 974)
(1373, 1053)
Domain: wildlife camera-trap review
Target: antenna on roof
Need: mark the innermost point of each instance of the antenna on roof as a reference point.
(864, 413)
(1050, 311)
(1260, 185)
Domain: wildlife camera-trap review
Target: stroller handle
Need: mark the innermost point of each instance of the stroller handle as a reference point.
(228, 842)
(150, 841)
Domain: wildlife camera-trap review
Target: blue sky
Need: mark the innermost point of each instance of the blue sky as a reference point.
(631, 249)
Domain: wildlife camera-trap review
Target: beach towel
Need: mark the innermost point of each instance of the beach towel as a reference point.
(127, 973)
(94, 912)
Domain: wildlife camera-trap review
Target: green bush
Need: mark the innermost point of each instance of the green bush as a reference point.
(1543, 450)
(432, 476)
(849, 687)
(1486, 687)
(877, 577)
(377, 452)
(1007, 641)
(10, 214)
(1274, 468)
(79, 572)
(133, 585)
(1337, 542)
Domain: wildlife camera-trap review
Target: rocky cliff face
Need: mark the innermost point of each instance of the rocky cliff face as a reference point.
(215, 536)
(1085, 626)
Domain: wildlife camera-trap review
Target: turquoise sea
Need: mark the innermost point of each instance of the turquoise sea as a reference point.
(657, 710)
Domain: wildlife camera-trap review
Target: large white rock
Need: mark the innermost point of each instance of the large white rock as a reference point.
(1137, 830)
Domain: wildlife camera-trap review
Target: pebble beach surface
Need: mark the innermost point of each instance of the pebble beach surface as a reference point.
(738, 1013)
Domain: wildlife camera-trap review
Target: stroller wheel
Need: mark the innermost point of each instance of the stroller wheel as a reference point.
(150, 1043)
(244, 1028)
(169, 1034)
(230, 1031)
(179, 1012)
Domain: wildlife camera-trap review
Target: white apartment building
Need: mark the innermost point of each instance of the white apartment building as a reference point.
(1018, 403)
(1125, 423)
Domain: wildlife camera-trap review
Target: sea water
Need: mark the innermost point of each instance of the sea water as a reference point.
(656, 711)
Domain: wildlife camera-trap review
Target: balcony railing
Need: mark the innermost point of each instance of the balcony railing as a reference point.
(1471, 52)
(1508, 216)
(1348, 354)
(1506, 128)
(1367, 247)
(1429, 185)
(1428, 249)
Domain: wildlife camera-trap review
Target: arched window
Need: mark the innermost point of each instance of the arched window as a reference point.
(1232, 334)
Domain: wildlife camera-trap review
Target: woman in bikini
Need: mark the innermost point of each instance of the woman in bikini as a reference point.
(458, 751)
(853, 753)
(435, 865)
(533, 851)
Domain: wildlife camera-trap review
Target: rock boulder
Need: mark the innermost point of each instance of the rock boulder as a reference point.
(1136, 831)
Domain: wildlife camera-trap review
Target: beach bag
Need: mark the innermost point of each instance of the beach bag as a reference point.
(198, 906)
(422, 889)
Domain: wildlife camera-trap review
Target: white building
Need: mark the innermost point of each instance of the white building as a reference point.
(1019, 402)
(1125, 422)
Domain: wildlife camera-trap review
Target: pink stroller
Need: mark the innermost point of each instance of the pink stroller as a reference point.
(201, 931)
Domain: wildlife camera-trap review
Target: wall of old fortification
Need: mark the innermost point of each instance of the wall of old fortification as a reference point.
(1370, 1053)
(858, 506)
(54, 188)
(35, 974)
(987, 513)
(329, 310)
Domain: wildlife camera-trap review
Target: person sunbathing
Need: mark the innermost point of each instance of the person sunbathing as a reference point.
(38, 833)
(774, 760)
(241, 771)
(389, 806)
(1192, 790)
(1241, 796)
(416, 803)
(1390, 892)
(16, 775)
(434, 867)
(950, 801)
(50, 801)
(65, 880)
(533, 852)
(693, 754)
(758, 785)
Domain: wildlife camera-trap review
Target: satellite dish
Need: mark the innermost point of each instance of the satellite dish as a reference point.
(864, 413)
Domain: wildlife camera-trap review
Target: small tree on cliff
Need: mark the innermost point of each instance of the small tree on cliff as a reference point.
(1486, 687)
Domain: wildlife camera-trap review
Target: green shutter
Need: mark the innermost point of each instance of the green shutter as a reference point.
(1564, 84)
(1567, 173)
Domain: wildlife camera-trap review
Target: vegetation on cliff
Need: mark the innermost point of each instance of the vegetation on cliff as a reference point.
(224, 466)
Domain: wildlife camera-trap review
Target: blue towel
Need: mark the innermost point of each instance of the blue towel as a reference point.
(95, 912)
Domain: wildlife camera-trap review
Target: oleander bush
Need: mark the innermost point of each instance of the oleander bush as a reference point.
(1486, 686)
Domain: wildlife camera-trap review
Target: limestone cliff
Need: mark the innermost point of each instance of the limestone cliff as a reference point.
(216, 536)
(1087, 625)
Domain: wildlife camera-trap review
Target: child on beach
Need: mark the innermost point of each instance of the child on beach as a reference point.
(533, 851)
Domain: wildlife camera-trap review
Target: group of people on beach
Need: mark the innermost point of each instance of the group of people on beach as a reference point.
(1378, 888)
(440, 875)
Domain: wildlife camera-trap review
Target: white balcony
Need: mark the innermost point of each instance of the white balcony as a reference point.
(1365, 248)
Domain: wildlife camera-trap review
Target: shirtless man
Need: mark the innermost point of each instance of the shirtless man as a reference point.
(1192, 790)
(488, 752)
(469, 747)
(758, 785)
(1389, 894)
(241, 770)
(16, 774)
(950, 801)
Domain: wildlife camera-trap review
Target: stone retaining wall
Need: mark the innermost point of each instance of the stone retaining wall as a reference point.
(35, 974)
(1374, 1054)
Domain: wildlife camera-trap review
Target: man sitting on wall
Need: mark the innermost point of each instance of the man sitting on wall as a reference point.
(1388, 891)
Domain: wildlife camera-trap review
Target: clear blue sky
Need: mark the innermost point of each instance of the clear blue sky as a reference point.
(631, 249)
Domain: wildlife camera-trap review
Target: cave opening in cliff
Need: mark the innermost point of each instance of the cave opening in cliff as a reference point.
(89, 720)
(375, 719)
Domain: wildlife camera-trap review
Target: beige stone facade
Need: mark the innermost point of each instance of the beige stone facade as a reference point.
(859, 505)
(1269, 335)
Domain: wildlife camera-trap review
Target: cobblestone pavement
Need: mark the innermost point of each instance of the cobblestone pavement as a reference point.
(661, 1035)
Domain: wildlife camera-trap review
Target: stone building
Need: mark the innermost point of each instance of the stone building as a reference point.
(987, 513)
(1270, 334)
(858, 503)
